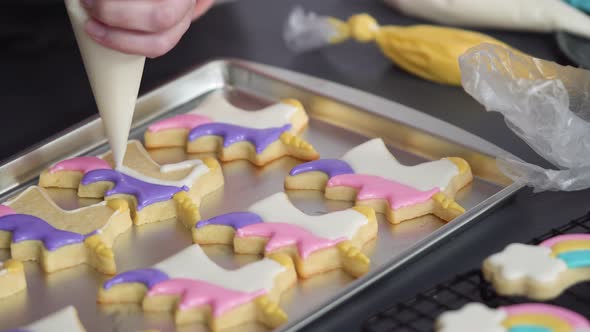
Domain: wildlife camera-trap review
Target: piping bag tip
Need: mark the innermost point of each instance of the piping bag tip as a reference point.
(114, 78)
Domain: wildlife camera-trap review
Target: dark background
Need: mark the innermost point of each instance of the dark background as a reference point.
(43, 90)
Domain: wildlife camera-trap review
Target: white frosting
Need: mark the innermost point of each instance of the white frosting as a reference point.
(64, 320)
(218, 109)
(167, 168)
(193, 263)
(199, 169)
(114, 78)
(373, 158)
(471, 318)
(532, 15)
(526, 261)
(278, 209)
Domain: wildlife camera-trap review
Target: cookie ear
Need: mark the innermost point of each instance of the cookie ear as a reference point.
(269, 312)
(354, 262)
(283, 259)
(187, 211)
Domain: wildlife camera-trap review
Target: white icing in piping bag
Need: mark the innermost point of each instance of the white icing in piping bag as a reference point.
(114, 78)
(528, 15)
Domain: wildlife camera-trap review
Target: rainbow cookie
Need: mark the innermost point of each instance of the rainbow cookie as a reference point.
(543, 271)
(65, 319)
(198, 290)
(533, 317)
(372, 176)
(35, 228)
(217, 126)
(12, 277)
(316, 243)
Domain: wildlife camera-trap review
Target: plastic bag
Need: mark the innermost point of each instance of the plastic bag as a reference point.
(545, 104)
(427, 51)
(308, 31)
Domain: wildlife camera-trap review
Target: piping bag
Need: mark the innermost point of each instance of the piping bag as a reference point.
(547, 105)
(114, 77)
(524, 15)
(430, 52)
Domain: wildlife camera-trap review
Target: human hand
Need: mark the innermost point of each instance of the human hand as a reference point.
(145, 27)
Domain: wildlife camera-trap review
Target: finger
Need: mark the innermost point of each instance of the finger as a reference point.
(201, 7)
(149, 44)
(140, 15)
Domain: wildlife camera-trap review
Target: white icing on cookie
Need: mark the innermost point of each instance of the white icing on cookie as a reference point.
(373, 158)
(526, 261)
(278, 209)
(218, 109)
(167, 168)
(199, 169)
(193, 263)
(64, 320)
(472, 317)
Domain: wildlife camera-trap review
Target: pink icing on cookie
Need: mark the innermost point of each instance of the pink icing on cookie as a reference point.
(182, 121)
(374, 187)
(80, 164)
(574, 319)
(282, 235)
(196, 293)
(5, 210)
(561, 238)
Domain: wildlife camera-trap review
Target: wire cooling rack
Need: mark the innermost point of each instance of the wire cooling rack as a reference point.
(419, 313)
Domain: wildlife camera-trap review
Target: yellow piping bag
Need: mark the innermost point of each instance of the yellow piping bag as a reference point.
(430, 52)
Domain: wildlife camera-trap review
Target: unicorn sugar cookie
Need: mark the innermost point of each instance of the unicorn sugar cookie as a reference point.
(154, 192)
(35, 228)
(200, 176)
(519, 317)
(316, 243)
(372, 176)
(198, 290)
(216, 126)
(543, 271)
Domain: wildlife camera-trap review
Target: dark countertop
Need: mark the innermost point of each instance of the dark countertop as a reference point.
(42, 84)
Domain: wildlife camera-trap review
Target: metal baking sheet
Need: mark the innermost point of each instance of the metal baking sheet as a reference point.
(341, 118)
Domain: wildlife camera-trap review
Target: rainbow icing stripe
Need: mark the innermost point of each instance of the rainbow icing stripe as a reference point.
(542, 317)
(527, 317)
(573, 249)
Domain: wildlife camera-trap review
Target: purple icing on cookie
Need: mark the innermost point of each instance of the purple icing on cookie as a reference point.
(146, 193)
(235, 219)
(261, 138)
(331, 167)
(149, 277)
(25, 227)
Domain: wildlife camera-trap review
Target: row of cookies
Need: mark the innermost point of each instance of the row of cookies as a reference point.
(540, 272)
(294, 243)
